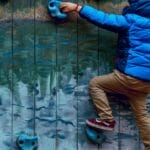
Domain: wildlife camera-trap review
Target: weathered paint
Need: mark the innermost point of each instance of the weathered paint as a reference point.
(45, 68)
(23, 74)
(5, 86)
(45, 62)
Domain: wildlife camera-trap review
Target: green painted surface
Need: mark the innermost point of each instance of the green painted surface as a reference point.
(45, 68)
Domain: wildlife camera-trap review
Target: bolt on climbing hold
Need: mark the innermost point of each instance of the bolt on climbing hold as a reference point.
(53, 8)
(25, 142)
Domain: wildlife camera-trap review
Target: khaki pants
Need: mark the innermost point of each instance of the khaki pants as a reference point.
(136, 91)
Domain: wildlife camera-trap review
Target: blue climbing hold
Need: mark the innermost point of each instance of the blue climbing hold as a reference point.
(25, 142)
(95, 136)
(53, 8)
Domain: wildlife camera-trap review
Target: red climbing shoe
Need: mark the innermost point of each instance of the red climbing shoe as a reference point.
(101, 124)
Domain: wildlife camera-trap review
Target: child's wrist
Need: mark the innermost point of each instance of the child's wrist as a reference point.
(78, 7)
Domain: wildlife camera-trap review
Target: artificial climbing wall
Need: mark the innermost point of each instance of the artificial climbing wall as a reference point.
(45, 68)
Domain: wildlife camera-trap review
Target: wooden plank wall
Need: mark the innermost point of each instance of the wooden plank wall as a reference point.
(45, 68)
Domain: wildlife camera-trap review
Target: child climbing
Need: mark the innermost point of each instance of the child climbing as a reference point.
(131, 76)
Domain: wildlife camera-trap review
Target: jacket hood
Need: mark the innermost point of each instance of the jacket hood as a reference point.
(139, 7)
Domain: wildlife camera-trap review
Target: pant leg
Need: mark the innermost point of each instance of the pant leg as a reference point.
(101, 85)
(138, 105)
(135, 89)
(137, 93)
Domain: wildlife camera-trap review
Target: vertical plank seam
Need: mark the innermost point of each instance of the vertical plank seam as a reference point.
(56, 85)
(34, 101)
(77, 82)
(12, 36)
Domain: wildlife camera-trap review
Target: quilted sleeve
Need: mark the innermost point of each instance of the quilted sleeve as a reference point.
(104, 20)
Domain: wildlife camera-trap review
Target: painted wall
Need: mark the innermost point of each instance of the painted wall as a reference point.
(45, 67)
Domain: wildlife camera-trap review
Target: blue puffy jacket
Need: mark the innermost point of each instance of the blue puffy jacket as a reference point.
(133, 28)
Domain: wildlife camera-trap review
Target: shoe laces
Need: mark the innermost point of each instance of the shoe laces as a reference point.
(102, 121)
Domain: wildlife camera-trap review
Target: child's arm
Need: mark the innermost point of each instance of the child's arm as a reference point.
(107, 21)
(104, 20)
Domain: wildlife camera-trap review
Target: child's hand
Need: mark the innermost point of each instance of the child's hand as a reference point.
(69, 7)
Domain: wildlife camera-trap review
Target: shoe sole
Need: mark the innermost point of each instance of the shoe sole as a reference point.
(98, 127)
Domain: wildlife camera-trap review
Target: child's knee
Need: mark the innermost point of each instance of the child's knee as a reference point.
(94, 82)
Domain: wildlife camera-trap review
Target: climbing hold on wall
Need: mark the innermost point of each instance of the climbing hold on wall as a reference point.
(53, 8)
(25, 142)
(95, 135)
